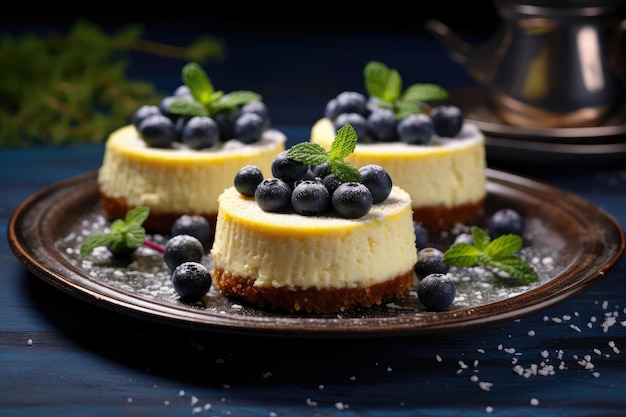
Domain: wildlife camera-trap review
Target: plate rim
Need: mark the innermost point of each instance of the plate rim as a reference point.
(77, 283)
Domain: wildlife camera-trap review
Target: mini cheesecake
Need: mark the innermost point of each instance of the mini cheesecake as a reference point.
(175, 181)
(313, 264)
(446, 179)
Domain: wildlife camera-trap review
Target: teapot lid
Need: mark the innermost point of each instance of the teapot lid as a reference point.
(557, 8)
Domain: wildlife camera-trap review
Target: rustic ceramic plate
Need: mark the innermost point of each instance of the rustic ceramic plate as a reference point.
(570, 241)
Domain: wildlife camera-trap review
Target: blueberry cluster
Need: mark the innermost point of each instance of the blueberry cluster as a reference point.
(183, 252)
(160, 128)
(381, 124)
(313, 190)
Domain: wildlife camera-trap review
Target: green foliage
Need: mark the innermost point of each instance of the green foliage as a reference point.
(56, 89)
(498, 253)
(128, 233)
(385, 85)
(207, 101)
(342, 146)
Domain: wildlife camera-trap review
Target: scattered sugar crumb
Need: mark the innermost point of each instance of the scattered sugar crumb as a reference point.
(534, 401)
(341, 406)
(489, 409)
(29, 342)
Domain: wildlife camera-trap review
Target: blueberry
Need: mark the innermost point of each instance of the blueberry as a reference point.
(310, 198)
(247, 179)
(226, 121)
(191, 280)
(319, 171)
(330, 111)
(331, 182)
(464, 238)
(448, 120)
(259, 108)
(273, 194)
(193, 225)
(505, 221)
(436, 292)
(430, 261)
(143, 112)
(422, 237)
(182, 248)
(248, 127)
(182, 91)
(352, 200)
(377, 180)
(357, 121)
(288, 170)
(381, 125)
(158, 131)
(200, 132)
(347, 102)
(416, 129)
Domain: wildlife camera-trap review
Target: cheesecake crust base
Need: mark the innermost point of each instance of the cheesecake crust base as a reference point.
(441, 218)
(310, 300)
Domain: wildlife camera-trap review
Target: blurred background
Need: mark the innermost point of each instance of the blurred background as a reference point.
(297, 60)
(297, 57)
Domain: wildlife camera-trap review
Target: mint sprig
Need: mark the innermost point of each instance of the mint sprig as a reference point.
(385, 85)
(206, 100)
(342, 146)
(498, 253)
(128, 233)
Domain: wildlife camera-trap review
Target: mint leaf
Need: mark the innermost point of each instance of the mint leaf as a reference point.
(425, 93)
(516, 268)
(206, 100)
(308, 153)
(385, 85)
(344, 143)
(480, 238)
(345, 171)
(498, 253)
(188, 107)
(235, 99)
(382, 82)
(504, 246)
(342, 146)
(198, 82)
(94, 241)
(127, 233)
(462, 255)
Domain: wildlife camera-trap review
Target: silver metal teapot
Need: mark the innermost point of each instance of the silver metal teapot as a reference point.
(551, 64)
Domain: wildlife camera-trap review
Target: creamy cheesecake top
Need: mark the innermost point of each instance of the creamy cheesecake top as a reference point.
(178, 179)
(446, 172)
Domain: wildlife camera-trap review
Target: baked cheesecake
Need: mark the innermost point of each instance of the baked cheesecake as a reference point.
(313, 264)
(445, 178)
(177, 180)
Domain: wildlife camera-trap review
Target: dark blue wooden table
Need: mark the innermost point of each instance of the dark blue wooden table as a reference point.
(60, 356)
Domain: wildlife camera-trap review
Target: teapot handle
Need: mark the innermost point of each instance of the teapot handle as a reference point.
(457, 48)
